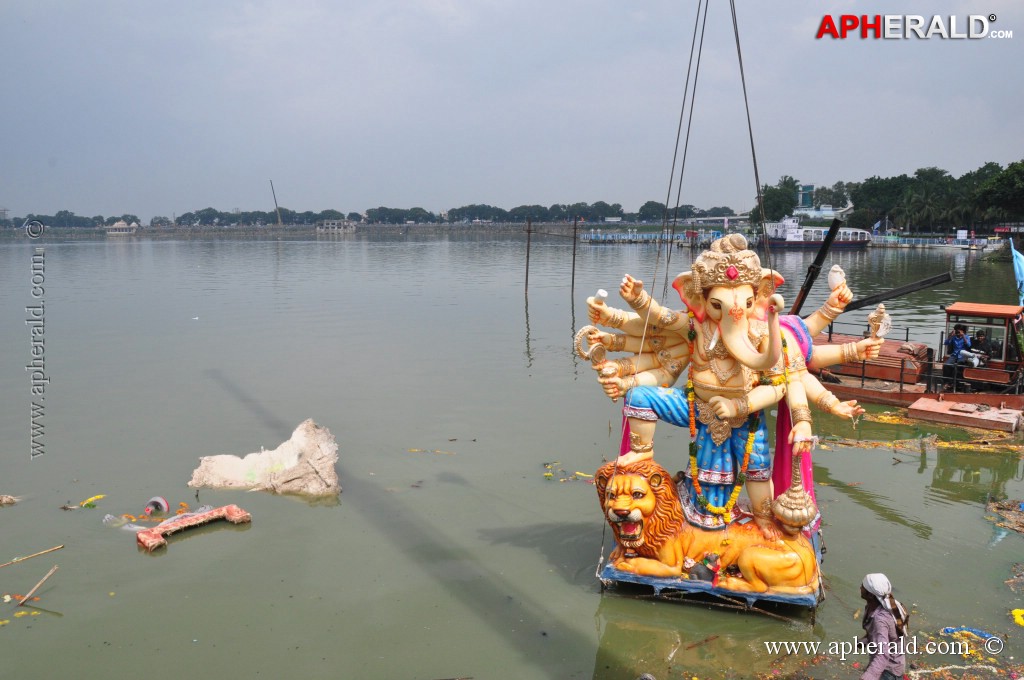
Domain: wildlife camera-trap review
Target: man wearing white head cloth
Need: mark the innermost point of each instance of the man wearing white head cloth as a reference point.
(885, 623)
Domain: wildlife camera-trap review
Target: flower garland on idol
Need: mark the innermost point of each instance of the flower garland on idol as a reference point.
(724, 511)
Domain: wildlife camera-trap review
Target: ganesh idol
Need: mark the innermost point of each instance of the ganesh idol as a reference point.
(743, 357)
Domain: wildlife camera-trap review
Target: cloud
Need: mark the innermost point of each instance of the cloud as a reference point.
(154, 109)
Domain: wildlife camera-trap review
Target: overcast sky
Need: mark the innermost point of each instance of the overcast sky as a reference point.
(157, 108)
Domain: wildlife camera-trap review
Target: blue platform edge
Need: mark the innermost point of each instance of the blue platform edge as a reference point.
(609, 573)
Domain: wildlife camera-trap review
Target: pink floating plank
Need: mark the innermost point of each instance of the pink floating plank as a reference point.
(153, 538)
(966, 415)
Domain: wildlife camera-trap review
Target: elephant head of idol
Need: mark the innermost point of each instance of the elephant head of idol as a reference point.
(726, 289)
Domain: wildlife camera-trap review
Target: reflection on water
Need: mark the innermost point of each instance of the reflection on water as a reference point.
(680, 640)
(469, 563)
(973, 476)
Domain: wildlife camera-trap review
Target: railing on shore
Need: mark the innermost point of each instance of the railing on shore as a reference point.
(908, 242)
(682, 239)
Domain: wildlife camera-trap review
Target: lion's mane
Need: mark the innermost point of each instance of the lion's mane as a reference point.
(667, 520)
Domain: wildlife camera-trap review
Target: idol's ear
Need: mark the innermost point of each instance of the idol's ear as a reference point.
(691, 294)
(769, 283)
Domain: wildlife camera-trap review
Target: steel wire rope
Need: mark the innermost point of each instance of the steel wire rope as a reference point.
(668, 197)
(750, 131)
(689, 127)
(757, 176)
(675, 157)
(687, 94)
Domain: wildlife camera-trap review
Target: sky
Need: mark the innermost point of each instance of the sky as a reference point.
(158, 108)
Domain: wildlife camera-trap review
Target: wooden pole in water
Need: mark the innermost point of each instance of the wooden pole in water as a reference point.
(575, 223)
(529, 231)
(28, 557)
(41, 582)
(274, 193)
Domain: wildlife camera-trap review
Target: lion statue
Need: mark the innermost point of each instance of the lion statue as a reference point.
(642, 506)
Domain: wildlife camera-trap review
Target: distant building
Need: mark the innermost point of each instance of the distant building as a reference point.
(335, 227)
(613, 220)
(825, 212)
(805, 196)
(122, 228)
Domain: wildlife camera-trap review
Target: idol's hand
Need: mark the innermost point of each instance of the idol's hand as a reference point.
(601, 314)
(630, 288)
(869, 348)
(841, 296)
(848, 409)
(801, 437)
(724, 408)
(616, 387)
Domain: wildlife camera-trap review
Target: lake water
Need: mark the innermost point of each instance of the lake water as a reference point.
(448, 388)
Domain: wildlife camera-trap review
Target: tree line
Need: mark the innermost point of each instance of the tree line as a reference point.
(651, 211)
(931, 200)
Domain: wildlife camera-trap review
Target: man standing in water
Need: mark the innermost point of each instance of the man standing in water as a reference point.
(885, 626)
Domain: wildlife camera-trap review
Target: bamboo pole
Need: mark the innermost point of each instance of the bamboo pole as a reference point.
(575, 240)
(41, 582)
(28, 557)
(529, 233)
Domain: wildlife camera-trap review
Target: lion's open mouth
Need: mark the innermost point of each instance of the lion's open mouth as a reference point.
(630, 532)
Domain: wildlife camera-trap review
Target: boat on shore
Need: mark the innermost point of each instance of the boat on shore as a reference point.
(789, 233)
(917, 377)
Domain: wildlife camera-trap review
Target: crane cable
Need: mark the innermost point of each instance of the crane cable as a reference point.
(750, 130)
(694, 68)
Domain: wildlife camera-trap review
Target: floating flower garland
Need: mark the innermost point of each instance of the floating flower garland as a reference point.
(724, 511)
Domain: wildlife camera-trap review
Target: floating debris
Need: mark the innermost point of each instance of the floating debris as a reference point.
(1016, 580)
(8, 500)
(91, 501)
(1012, 513)
(437, 451)
(153, 537)
(552, 472)
(304, 465)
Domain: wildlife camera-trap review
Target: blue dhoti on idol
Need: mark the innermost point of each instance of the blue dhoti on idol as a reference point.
(720, 447)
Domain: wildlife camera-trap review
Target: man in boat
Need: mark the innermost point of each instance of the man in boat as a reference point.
(982, 345)
(958, 347)
(962, 347)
